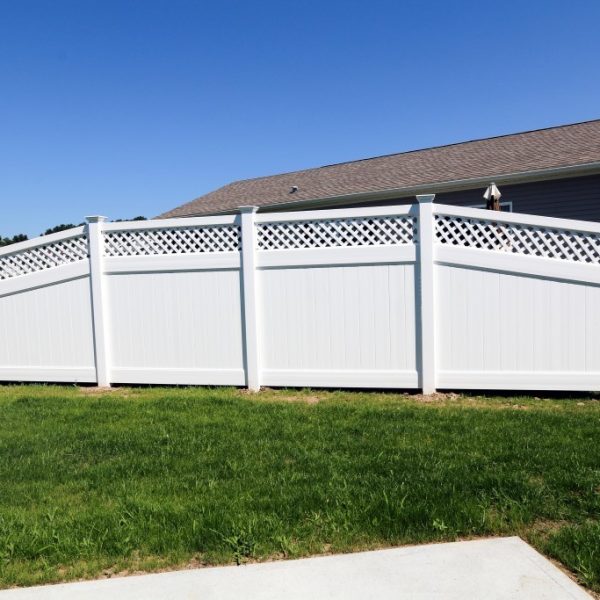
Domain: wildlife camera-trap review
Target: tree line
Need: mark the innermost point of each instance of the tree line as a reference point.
(21, 237)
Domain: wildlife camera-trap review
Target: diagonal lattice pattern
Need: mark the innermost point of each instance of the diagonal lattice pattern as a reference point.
(329, 233)
(175, 240)
(561, 244)
(43, 257)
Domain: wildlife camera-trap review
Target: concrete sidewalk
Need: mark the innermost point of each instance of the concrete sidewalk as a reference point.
(483, 569)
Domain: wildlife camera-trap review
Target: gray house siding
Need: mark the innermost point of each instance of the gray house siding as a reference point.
(575, 198)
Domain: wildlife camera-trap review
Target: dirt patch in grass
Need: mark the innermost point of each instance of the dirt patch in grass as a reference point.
(313, 396)
(300, 398)
(438, 397)
(122, 392)
(94, 390)
(545, 527)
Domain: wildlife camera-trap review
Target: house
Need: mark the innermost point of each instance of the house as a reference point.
(549, 172)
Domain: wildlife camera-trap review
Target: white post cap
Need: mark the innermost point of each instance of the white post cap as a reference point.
(248, 209)
(95, 219)
(425, 198)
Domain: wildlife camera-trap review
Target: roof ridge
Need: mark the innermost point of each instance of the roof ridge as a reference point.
(485, 139)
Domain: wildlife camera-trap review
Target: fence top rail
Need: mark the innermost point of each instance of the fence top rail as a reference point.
(42, 240)
(178, 223)
(340, 213)
(482, 214)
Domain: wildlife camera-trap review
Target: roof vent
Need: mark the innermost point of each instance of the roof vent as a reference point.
(293, 189)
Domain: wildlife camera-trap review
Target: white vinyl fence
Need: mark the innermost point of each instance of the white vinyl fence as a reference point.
(424, 296)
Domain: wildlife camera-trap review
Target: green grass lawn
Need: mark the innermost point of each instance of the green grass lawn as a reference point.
(140, 479)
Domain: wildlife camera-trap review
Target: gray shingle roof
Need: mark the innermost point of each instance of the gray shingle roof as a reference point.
(563, 146)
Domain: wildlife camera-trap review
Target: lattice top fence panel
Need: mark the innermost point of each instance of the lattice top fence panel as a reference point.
(173, 240)
(546, 242)
(40, 258)
(329, 233)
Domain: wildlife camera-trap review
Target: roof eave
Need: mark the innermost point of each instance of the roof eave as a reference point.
(430, 188)
(446, 186)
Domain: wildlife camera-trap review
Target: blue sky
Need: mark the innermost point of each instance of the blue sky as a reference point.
(129, 107)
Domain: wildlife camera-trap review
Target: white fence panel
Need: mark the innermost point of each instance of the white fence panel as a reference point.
(46, 329)
(175, 314)
(337, 299)
(517, 302)
(179, 328)
(498, 330)
(339, 326)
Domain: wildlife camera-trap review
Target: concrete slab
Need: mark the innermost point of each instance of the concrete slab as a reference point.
(488, 569)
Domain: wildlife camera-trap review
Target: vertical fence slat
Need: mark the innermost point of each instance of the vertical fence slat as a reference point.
(426, 295)
(98, 296)
(249, 298)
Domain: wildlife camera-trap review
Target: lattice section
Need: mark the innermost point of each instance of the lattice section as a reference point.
(562, 244)
(175, 240)
(329, 233)
(43, 257)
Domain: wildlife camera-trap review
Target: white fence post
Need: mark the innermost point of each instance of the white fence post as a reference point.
(250, 297)
(427, 308)
(99, 312)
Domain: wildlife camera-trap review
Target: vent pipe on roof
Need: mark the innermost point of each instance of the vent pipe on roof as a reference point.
(492, 197)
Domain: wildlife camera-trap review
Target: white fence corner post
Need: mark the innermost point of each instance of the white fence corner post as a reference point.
(248, 269)
(427, 308)
(98, 295)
